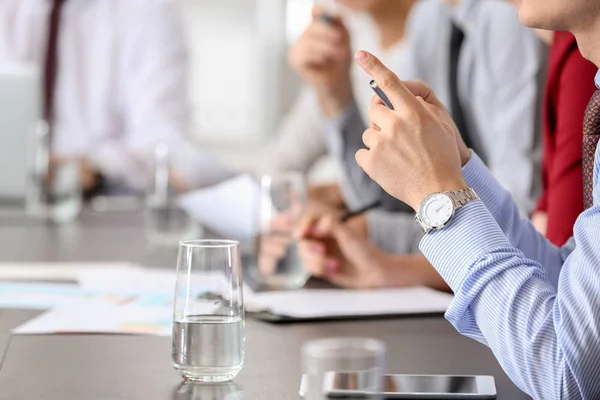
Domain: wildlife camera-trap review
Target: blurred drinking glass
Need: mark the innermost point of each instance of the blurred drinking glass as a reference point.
(208, 329)
(364, 356)
(53, 192)
(166, 222)
(281, 204)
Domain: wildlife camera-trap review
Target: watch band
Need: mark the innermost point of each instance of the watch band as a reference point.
(462, 196)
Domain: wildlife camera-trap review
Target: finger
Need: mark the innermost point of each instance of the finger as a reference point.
(370, 137)
(314, 262)
(324, 226)
(382, 117)
(305, 226)
(421, 89)
(363, 159)
(275, 247)
(375, 100)
(399, 95)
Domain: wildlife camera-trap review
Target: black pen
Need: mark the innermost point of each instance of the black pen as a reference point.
(352, 214)
(381, 94)
(326, 18)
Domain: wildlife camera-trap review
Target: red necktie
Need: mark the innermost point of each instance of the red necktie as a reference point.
(591, 136)
(50, 65)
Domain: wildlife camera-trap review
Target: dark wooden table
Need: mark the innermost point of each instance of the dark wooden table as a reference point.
(112, 367)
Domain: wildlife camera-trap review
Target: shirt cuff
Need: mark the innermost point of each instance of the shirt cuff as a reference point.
(472, 235)
(487, 187)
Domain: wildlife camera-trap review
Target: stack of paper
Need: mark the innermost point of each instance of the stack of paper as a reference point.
(226, 208)
(323, 303)
(132, 299)
(101, 317)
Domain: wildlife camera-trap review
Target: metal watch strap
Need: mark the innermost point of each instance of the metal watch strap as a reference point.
(462, 196)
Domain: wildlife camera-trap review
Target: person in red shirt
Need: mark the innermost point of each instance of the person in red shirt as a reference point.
(569, 88)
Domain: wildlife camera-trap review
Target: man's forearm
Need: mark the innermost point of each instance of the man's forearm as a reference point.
(520, 232)
(506, 301)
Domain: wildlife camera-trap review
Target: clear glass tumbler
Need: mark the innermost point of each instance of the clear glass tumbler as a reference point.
(54, 191)
(364, 356)
(208, 327)
(279, 208)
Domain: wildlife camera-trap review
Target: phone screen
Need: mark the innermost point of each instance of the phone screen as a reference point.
(431, 384)
(421, 384)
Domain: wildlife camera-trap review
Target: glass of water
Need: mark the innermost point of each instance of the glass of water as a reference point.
(166, 222)
(361, 359)
(54, 191)
(208, 329)
(281, 203)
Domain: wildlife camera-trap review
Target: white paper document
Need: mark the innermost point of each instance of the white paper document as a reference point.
(101, 317)
(49, 271)
(226, 208)
(323, 303)
(152, 281)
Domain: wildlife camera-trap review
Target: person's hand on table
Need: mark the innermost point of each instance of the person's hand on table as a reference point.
(322, 57)
(418, 138)
(342, 254)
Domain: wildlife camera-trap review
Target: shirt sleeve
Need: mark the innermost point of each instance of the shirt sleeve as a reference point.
(565, 177)
(544, 337)
(155, 102)
(518, 231)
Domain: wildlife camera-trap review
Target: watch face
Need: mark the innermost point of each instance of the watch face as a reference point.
(436, 210)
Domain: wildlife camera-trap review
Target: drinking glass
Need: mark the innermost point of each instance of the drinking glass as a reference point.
(279, 207)
(208, 329)
(362, 355)
(53, 190)
(166, 222)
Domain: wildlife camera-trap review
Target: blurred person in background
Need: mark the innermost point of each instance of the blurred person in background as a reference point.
(333, 84)
(115, 86)
(495, 99)
(568, 91)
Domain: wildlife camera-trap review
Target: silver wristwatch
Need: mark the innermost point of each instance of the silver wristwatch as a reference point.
(437, 210)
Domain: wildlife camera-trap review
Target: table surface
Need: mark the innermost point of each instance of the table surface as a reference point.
(112, 367)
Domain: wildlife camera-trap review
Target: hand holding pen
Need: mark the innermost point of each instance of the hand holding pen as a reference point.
(322, 57)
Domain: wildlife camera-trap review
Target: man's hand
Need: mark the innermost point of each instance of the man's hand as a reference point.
(341, 254)
(412, 151)
(322, 57)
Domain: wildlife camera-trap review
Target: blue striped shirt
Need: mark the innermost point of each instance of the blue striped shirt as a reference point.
(535, 305)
